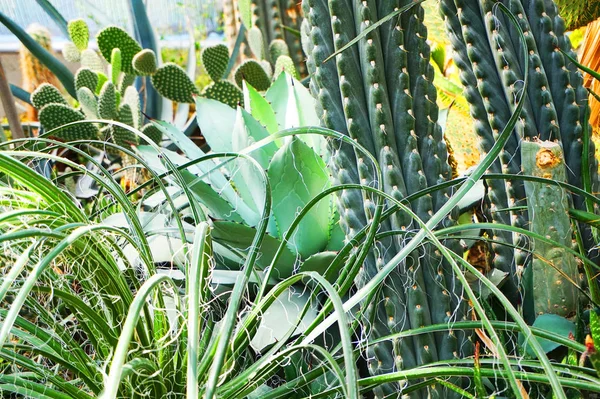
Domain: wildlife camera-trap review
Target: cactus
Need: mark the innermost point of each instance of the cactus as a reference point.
(380, 93)
(153, 133)
(107, 102)
(46, 94)
(89, 103)
(253, 73)
(114, 37)
(256, 42)
(285, 63)
(91, 60)
(278, 48)
(86, 78)
(171, 81)
(224, 92)
(33, 72)
(56, 115)
(71, 52)
(553, 269)
(79, 33)
(488, 54)
(145, 62)
(115, 66)
(215, 60)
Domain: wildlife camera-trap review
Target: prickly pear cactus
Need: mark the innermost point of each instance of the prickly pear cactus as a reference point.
(172, 82)
(489, 54)
(553, 268)
(380, 93)
(215, 60)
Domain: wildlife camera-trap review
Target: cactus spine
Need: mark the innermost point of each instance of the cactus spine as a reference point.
(486, 50)
(380, 93)
(554, 268)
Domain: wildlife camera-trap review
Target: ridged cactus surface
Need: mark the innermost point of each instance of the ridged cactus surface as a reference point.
(380, 93)
(489, 54)
(553, 268)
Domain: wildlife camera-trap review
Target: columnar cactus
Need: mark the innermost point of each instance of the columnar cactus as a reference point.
(553, 268)
(380, 93)
(488, 52)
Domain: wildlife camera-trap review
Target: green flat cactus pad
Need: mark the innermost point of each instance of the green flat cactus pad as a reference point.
(253, 73)
(152, 132)
(53, 116)
(46, 94)
(86, 78)
(172, 82)
(215, 60)
(256, 42)
(125, 81)
(115, 65)
(122, 136)
(285, 63)
(89, 102)
(131, 97)
(107, 102)
(224, 92)
(145, 62)
(91, 60)
(277, 48)
(71, 52)
(114, 37)
(79, 33)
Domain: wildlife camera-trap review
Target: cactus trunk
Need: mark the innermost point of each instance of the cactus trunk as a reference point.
(488, 52)
(553, 269)
(380, 93)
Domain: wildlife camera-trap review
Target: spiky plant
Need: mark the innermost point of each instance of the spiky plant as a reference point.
(380, 93)
(488, 52)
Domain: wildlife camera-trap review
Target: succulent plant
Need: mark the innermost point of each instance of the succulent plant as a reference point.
(380, 93)
(79, 33)
(488, 53)
(553, 269)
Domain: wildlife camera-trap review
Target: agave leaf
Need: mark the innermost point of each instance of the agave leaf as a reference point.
(20, 93)
(240, 236)
(552, 323)
(51, 62)
(260, 108)
(217, 207)
(297, 174)
(216, 121)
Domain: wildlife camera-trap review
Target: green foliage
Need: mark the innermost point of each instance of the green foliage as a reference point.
(54, 116)
(224, 92)
(253, 73)
(46, 94)
(114, 37)
(172, 82)
(145, 62)
(79, 33)
(578, 13)
(215, 60)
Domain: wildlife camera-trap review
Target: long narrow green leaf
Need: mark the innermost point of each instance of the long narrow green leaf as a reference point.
(56, 16)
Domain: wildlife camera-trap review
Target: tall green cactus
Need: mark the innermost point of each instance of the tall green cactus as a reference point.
(380, 93)
(486, 49)
(553, 268)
